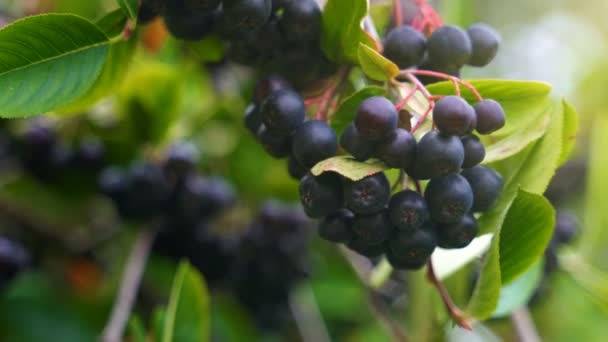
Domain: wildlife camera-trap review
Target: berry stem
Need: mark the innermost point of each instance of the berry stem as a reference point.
(455, 80)
(397, 13)
(129, 285)
(457, 315)
(326, 98)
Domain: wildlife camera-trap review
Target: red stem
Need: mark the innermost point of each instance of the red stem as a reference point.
(457, 315)
(407, 97)
(397, 13)
(326, 98)
(457, 81)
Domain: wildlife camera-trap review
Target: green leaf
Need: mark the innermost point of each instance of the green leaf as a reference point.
(484, 300)
(113, 23)
(209, 49)
(381, 14)
(375, 65)
(519, 292)
(569, 132)
(129, 7)
(526, 105)
(47, 62)
(525, 234)
(187, 316)
(349, 167)
(592, 241)
(346, 112)
(136, 329)
(343, 31)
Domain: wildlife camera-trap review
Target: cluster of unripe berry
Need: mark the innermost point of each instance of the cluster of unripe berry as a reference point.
(446, 50)
(271, 35)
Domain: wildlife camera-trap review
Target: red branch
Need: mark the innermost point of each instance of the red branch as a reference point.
(457, 315)
(325, 101)
(398, 13)
(427, 19)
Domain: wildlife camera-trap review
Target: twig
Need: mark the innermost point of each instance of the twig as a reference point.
(129, 286)
(328, 95)
(306, 313)
(524, 325)
(457, 315)
(397, 13)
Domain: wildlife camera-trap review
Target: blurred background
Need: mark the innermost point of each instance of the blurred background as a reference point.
(78, 246)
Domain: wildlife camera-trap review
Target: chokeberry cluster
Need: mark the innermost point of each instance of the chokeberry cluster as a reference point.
(408, 225)
(277, 119)
(446, 50)
(270, 35)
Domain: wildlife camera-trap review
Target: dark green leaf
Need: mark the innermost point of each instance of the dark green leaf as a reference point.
(129, 7)
(113, 23)
(484, 300)
(519, 292)
(343, 30)
(375, 65)
(187, 317)
(47, 62)
(349, 167)
(136, 329)
(346, 112)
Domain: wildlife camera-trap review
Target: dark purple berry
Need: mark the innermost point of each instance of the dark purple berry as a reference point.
(376, 119)
(275, 144)
(411, 250)
(474, 152)
(283, 111)
(459, 234)
(437, 154)
(449, 198)
(301, 21)
(449, 46)
(313, 142)
(405, 46)
(408, 210)
(322, 195)
(353, 143)
(295, 169)
(337, 227)
(490, 116)
(485, 41)
(398, 152)
(368, 195)
(486, 185)
(454, 116)
(374, 228)
(267, 86)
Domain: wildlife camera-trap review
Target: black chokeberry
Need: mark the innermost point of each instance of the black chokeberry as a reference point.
(353, 143)
(408, 210)
(376, 118)
(90, 154)
(486, 185)
(149, 10)
(405, 46)
(459, 234)
(295, 169)
(490, 116)
(301, 21)
(449, 198)
(252, 118)
(398, 152)
(188, 25)
(182, 158)
(454, 116)
(485, 41)
(363, 247)
(474, 152)
(313, 142)
(337, 227)
(244, 16)
(566, 227)
(437, 154)
(283, 111)
(368, 195)
(148, 190)
(276, 144)
(322, 195)
(411, 250)
(449, 46)
(267, 86)
(374, 229)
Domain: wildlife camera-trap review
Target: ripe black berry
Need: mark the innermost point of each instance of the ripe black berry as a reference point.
(454, 116)
(486, 184)
(398, 152)
(147, 192)
(149, 10)
(376, 119)
(275, 144)
(374, 228)
(566, 227)
(474, 152)
(361, 246)
(368, 195)
(186, 24)
(411, 250)
(295, 169)
(449, 198)
(252, 119)
(301, 21)
(283, 111)
(244, 16)
(490, 116)
(90, 154)
(182, 158)
(408, 210)
(459, 234)
(437, 154)
(353, 143)
(449, 46)
(485, 41)
(405, 46)
(322, 195)
(112, 182)
(267, 86)
(313, 142)
(337, 227)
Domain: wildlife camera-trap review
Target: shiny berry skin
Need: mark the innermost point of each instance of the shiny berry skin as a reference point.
(408, 210)
(322, 195)
(459, 234)
(284, 111)
(368, 195)
(301, 21)
(490, 116)
(437, 154)
(313, 142)
(353, 143)
(486, 185)
(275, 144)
(474, 152)
(398, 152)
(267, 86)
(376, 119)
(405, 46)
(295, 169)
(337, 227)
(374, 228)
(454, 116)
(485, 41)
(449, 198)
(411, 250)
(449, 46)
